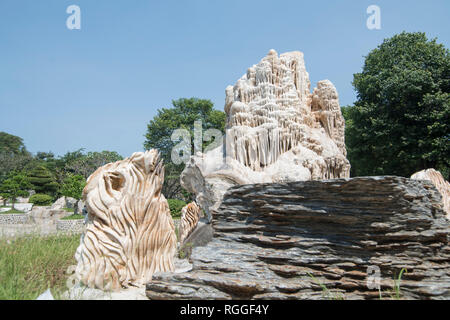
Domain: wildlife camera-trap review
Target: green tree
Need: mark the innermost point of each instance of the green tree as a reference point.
(15, 186)
(11, 144)
(73, 186)
(181, 115)
(84, 165)
(10, 162)
(400, 121)
(43, 181)
(13, 155)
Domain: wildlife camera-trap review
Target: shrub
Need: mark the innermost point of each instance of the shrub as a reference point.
(41, 199)
(175, 206)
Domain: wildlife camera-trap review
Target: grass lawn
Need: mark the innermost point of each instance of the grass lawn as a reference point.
(74, 217)
(12, 211)
(31, 265)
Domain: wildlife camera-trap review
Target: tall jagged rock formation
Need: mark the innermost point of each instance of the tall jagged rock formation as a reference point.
(277, 130)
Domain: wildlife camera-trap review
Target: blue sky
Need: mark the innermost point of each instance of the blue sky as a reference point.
(97, 88)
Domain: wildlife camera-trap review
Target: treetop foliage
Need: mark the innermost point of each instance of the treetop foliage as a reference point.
(182, 115)
(11, 144)
(400, 123)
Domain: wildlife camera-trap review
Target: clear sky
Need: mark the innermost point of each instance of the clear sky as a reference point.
(97, 88)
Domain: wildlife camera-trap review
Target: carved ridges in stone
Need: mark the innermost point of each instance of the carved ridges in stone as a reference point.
(439, 182)
(269, 239)
(130, 233)
(327, 111)
(269, 110)
(277, 131)
(190, 215)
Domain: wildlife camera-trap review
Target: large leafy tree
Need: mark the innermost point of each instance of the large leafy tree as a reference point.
(400, 122)
(13, 155)
(182, 115)
(17, 185)
(10, 162)
(11, 144)
(78, 163)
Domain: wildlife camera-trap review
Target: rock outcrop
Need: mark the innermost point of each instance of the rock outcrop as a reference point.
(287, 241)
(276, 131)
(130, 233)
(439, 182)
(190, 216)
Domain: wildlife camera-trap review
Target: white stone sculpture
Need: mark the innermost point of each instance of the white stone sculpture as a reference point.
(276, 130)
(130, 233)
(190, 215)
(440, 183)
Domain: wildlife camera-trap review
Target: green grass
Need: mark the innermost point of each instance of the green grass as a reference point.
(12, 211)
(31, 265)
(395, 293)
(327, 294)
(69, 210)
(74, 217)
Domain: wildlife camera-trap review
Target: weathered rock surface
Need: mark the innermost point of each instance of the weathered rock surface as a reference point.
(80, 208)
(439, 182)
(130, 233)
(279, 241)
(59, 204)
(190, 216)
(276, 131)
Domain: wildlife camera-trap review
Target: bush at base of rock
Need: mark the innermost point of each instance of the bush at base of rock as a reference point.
(41, 199)
(175, 206)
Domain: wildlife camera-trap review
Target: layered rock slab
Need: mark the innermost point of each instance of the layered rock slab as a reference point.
(283, 241)
(276, 131)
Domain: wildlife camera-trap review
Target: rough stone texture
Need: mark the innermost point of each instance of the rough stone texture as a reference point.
(25, 207)
(71, 202)
(59, 204)
(201, 235)
(439, 182)
(130, 233)
(276, 131)
(271, 240)
(47, 216)
(75, 226)
(190, 215)
(14, 218)
(80, 208)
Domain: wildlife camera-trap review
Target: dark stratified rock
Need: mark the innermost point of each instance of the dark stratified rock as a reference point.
(317, 239)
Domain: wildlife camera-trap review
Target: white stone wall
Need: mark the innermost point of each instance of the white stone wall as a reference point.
(14, 218)
(70, 225)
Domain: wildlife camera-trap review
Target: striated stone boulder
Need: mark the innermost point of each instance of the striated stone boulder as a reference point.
(286, 241)
(439, 182)
(129, 233)
(190, 216)
(276, 131)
